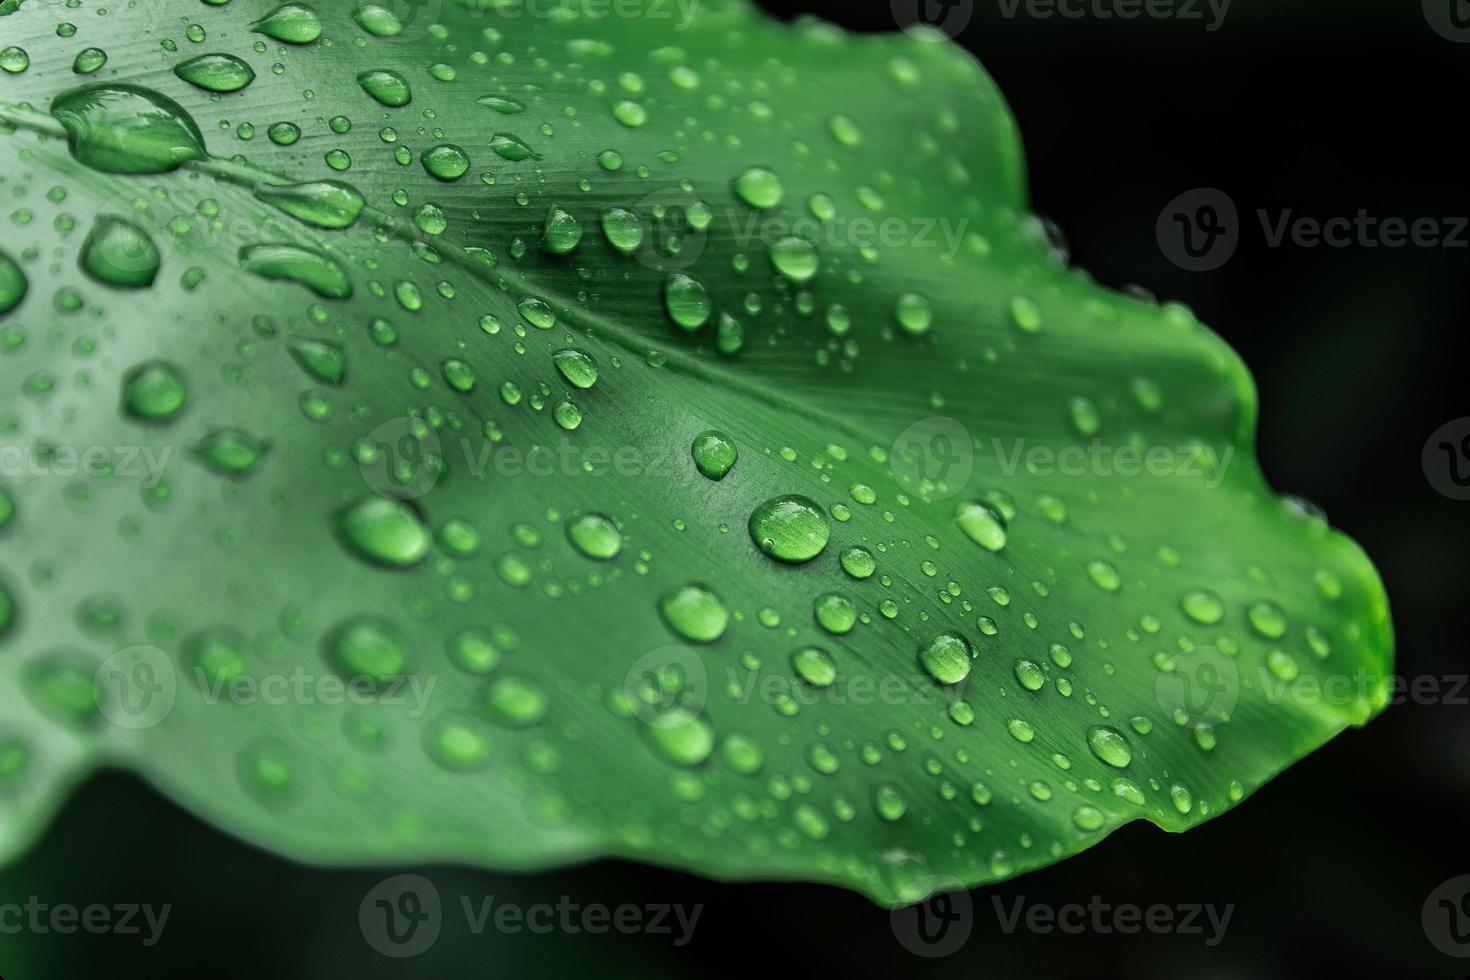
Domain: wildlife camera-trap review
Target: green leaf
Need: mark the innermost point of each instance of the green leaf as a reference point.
(678, 432)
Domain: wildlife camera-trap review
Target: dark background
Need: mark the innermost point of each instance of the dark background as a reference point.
(1359, 354)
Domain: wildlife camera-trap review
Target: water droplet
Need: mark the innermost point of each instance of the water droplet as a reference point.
(858, 562)
(14, 59)
(1203, 607)
(217, 655)
(1026, 314)
(914, 314)
(1031, 676)
(516, 702)
(835, 613)
(508, 107)
(508, 147)
(1088, 818)
(595, 536)
(216, 72)
(13, 284)
(1110, 746)
(229, 452)
(154, 392)
(366, 648)
(89, 60)
(1267, 619)
(120, 254)
(317, 272)
(846, 131)
(446, 162)
(459, 742)
(682, 738)
(126, 129)
(1104, 575)
(795, 258)
(322, 203)
(474, 652)
(696, 613)
(759, 187)
(290, 23)
(577, 366)
(267, 772)
(378, 20)
(623, 229)
(815, 666)
(687, 301)
(790, 528)
(741, 754)
(458, 375)
(562, 234)
(387, 87)
(388, 532)
(946, 658)
(630, 113)
(889, 803)
(983, 524)
(714, 454)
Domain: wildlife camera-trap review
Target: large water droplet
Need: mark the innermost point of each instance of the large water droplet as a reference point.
(126, 129)
(623, 229)
(120, 254)
(687, 300)
(446, 162)
(562, 234)
(323, 203)
(317, 272)
(714, 454)
(683, 738)
(595, 536)
(366, 648)
(216, 72)
(386, 86)
(983, 524)
(577, 366)
(790, 528)
(386, 531)
(759, 187)
(1203, 607)
(13, 284)
(815, 666)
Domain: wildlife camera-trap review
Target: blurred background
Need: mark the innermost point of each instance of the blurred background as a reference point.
(1360, 353)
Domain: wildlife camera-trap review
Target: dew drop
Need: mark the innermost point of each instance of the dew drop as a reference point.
(595, 536)
(291, 263)
(387, 87)
(1110, 746)
(790, 528)
(815, 666)
(154, 392)
(759, 188)
(388, 532)
(696, 613)
(983, 524)
(216, 72)
(290, 23)
(127, 129)
(687, 301)
(119, 253)
(714, 454)
(323, 203)
(366, 648)
(946, 658)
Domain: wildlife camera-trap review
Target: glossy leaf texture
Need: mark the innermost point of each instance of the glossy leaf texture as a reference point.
(457, 431)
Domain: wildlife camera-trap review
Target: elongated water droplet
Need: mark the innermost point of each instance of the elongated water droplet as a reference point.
(501, 104)
(623, 229)
(790, 528)
(795, 258)
(1203, 607)
(516, 702)
(89, 60)
(230, 452)
(511, 148)
(388, 532)
(562, 234)
(322, 203)
(683, 738)
(815, 666)
(317, 272)
(290, 23)
(835, 613)
(216, 72)
(125, 129)
(983, 525)
(1267, 619)
(378, 20)
(577, 366)
(914, 314)
(386, 86)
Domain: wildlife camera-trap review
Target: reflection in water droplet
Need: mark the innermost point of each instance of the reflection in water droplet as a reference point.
(790, 528)
(317, 272)
(120, 254)
(127, 129)
(216, 72)
(714, 454)
(946, 658)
